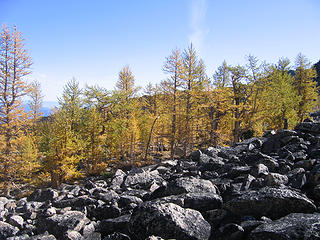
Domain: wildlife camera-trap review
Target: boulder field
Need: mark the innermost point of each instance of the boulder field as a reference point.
(259, 189)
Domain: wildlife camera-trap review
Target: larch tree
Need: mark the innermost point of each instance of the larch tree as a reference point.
(148, 117)
(36, 100)
(305, 86)
(94, 139)
(172, 87)
(219, 96)
(62, 143)
(280, 97)
(15, 65)
(29, 148)
(123, 126)
(191, 80)
(93, 130)
(239, 98)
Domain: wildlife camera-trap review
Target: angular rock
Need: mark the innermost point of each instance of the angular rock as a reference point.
(270, 202)
(72, 235)
(104, 194)
(126, 200)
(295, 226)
(41, 195)
(235, 172)
(215, 217)
(276, 179)
(117, 179)
(104, 212)
(45, 236)
(7, 230)
(309, 127)
(16, 221)
(250, 225)
(202, 201)
(153, 218)
(247, 182)
(117, 236)
(77, 202)
(20, 237)
(119, 224)
(59, 224)
(298, 181)
(142, 179)
(190, 185)
(229, 231)
(93, 236)
(154, 238)
(260, 170)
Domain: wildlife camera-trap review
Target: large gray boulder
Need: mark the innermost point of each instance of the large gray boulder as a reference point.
(60, 224)
(190, 185)
(7, 230)
(117, 179)
(142, 179)
(276, 179)
(295, 226)
(270, 202)
(168, 220)
(41, 195)
(202, 201)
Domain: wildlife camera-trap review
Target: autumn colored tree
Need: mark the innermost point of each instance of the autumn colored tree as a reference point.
(36, 100)
(123, 132)
(62, 144)
(280, 98)
(305, 86)
(94, 139)
(239, 98)
(191, 75)
(172, 87)
(14, 67)
(218, 95)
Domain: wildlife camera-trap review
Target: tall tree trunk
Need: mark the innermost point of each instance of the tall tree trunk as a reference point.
(236, 131)
(174, 116)
(150, 137)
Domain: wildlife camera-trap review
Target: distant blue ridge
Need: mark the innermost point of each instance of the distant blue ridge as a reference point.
(46, 108)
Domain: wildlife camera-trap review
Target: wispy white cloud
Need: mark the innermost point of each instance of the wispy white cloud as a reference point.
(198, 11)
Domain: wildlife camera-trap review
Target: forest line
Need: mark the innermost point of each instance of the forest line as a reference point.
(93, 128)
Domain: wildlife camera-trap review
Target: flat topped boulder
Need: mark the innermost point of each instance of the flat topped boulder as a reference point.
(295, 226)
(270, 202)
(190, 185)
(142, 178)
(168, 220)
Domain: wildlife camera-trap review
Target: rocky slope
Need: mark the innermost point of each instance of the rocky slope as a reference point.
(266, 188)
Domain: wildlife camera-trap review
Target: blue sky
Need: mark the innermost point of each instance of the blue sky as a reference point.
(92, 40)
